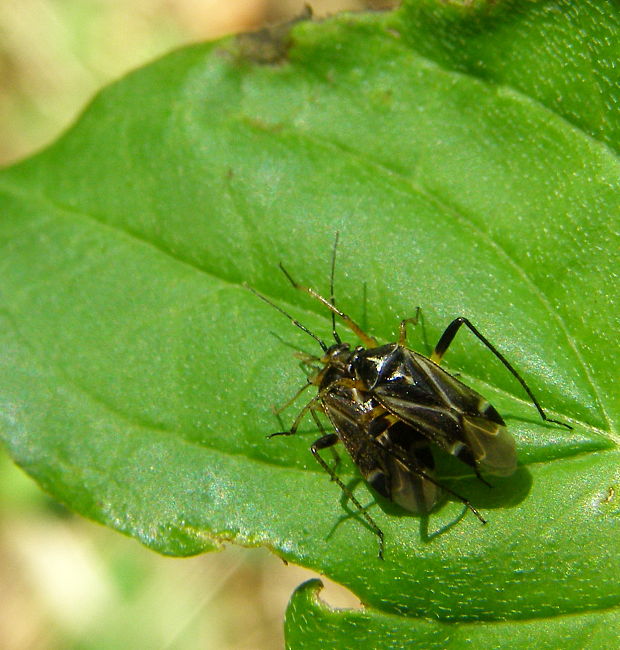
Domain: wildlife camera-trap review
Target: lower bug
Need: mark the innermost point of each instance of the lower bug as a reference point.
(391, 406)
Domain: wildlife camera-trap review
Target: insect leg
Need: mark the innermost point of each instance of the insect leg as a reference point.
(368, 340)
(402, 339)
(448, 336)
(328, 441)
(321, 428)
(310, 405)
(293, 430)
(415, 320)
(284, 406)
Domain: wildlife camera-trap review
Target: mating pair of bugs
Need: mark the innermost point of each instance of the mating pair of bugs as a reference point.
(392, 407)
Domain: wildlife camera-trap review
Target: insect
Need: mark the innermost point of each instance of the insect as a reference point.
(391, 407)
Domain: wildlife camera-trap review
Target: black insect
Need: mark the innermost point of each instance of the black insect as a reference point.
(390, 406)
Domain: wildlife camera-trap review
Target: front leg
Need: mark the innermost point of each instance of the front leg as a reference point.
(293, 430)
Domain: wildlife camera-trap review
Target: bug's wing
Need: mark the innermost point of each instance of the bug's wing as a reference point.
(400, 481)
(491, 445)
(448, 413)
(351, 413)
(399, 484)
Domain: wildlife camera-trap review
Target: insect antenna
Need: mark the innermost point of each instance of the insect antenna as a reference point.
(293, 320)
(369, 341)
(332, 298)
(299, 353)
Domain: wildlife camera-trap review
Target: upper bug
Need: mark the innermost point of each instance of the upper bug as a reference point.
(391, 406)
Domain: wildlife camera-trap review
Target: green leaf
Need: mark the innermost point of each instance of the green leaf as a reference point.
(468, 157)
(311, 624)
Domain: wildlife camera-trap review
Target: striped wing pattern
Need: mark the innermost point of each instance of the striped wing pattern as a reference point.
(352, 413)
(441, 408)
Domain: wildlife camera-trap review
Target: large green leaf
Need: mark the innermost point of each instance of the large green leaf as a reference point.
(311, 624)
(468, 157)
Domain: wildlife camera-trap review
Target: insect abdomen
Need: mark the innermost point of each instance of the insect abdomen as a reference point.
(401, 483)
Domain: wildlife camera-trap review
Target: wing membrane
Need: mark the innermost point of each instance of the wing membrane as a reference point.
(355, 414)
(457, 419)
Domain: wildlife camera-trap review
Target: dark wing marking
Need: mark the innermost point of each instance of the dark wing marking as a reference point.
(406, 488)
(354, 415)
(456, 419)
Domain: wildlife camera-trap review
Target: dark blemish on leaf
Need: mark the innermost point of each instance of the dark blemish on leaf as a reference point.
(608, 503)
(270, 45)
(611, 493)
(262, 125)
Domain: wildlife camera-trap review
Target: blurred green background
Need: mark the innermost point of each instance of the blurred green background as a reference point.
(55, 54)
(66, 582)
